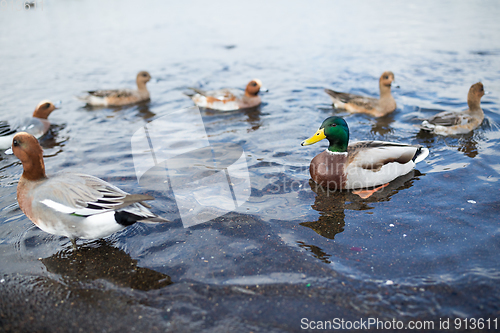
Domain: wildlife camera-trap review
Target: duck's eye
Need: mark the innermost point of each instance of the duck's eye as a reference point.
(15, 143)
(254, 84)
(386, 77)
(333, 125)
(47, 105)
(144, 74)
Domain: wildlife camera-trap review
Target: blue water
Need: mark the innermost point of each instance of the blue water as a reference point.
(423, 248)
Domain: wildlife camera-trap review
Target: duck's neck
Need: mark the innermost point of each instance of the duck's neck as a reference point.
(34, 169)
(385, 91)
(338, 146)
(41, 115)
(474, 104)
(141, 86)
(249, 94)
(337, 149)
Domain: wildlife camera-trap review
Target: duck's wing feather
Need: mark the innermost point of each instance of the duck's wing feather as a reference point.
(373, 155)
(84, 195)
(361, 101)
(17, 124)
(197, 91)
(6, 129)
(448, 121)
(34, 126)
(221, 94)
(343, 97)
(374, 163)
(115, 93)
(448, 118)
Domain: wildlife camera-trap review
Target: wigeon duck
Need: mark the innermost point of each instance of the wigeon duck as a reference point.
(450, 123)
(73, 205)
(362, 164)
(229, 99)
(119, 97)
(36, 125)
(369, 105)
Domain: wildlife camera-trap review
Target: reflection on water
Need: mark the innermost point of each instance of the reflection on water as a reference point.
(100, 260)
(331, 204)
(52, 138)
(468, 145)
(465, 143)
(144, 111)
(253, 116)
(328, 224)
(316, 251)
(142, 108)
(382, 125)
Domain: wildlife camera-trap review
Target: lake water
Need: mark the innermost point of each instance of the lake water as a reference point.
(424, 248)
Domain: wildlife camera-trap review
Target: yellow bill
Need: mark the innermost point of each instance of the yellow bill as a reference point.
(318, 136)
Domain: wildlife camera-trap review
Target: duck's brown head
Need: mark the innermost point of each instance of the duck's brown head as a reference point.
(386, 79)
(44, 109)
(142, 78)
(27, 149)
(253, 87)
(476, 91)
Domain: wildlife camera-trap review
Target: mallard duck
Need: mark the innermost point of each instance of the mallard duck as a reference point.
(450, 123)
(369, 105)
(73, 205)
(120, 97)
(228, 99)
(362, 164)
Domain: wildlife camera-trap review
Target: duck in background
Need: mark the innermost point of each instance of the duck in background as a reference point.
(73, 205)
(120, 97)
(37, 125)
(452, 123)
(360, 165)
(228, 99)
(369, 105)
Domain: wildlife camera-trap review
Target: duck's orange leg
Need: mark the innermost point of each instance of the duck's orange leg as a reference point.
(364, 194)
